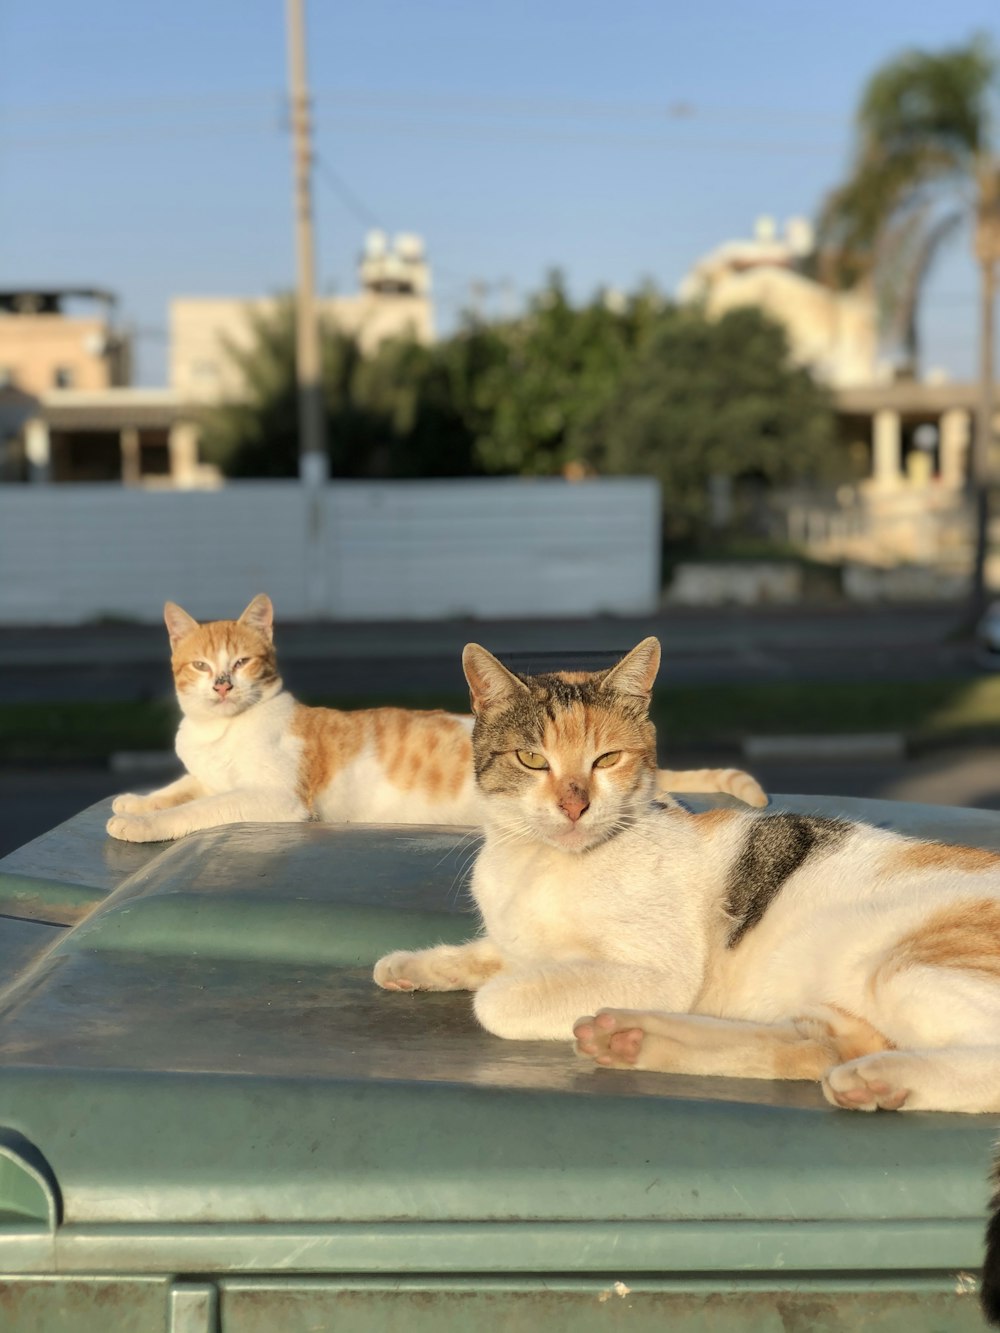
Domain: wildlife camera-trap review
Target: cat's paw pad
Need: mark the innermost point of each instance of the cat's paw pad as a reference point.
(609, 1039)
(135, 828)
(391, 972)
(868, 1084)
(129, 804)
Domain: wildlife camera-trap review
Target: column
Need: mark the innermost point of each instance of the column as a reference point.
(886, 448)
(38, 450)
(131, 458)
(954, 434)
(183, 445)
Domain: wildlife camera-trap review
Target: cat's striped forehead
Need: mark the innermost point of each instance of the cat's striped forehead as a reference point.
(567, 710)
(221, 638)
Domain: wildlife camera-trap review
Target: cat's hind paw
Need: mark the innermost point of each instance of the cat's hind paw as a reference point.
(609, 1039)
(135, 828)
(868, 1084)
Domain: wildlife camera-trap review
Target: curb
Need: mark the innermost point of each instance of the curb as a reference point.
(143, 761)
(864, 745)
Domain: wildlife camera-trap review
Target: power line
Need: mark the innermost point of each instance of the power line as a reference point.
(348, 197)
(409, 128)
(677, 109)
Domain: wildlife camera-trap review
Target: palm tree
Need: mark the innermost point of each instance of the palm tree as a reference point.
(926, 161)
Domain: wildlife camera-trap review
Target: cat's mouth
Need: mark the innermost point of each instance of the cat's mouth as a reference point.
(577, 838)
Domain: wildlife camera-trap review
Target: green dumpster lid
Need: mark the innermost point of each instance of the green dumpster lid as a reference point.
(197, 1073)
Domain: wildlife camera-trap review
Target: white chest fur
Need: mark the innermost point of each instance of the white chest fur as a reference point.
(253, 750)
(628, 900)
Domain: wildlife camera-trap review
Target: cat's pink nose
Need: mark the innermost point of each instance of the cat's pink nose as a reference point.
(574, 802)
(222, 687)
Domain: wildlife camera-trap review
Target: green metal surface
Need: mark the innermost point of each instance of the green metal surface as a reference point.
(198, 1077)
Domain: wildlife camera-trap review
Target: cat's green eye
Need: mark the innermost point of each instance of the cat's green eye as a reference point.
(241, 663)
(532, 760)
(606, 760)
(201, 666)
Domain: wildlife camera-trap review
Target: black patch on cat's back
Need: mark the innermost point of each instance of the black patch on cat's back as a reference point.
(775, 847)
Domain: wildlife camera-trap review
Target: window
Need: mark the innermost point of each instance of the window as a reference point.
(63, 377)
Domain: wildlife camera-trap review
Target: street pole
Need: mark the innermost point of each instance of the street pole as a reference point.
(988, 254)
(313, 462)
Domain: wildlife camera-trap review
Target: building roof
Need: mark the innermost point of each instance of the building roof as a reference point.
(48, 300)
(110, 409)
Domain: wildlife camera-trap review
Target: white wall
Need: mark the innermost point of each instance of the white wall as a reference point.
(408, 550)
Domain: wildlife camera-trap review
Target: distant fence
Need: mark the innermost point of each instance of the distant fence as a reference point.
(391, 550)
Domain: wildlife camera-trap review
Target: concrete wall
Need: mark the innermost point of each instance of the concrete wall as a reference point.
(410, 550)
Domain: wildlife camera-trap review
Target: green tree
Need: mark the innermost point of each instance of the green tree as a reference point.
(550, 371)
(256, 433)
(398, 413)
(705, 398)
(925, 162)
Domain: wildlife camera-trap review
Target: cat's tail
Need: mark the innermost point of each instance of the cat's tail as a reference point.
(989, 1288)
(732, 781)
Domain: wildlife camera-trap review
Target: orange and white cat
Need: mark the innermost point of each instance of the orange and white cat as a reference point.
(729, 943)
(252, 753)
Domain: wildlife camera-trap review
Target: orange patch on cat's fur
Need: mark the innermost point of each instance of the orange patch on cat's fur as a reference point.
(808, 1059)
(331, 740)
(854, 1036)
(428, 750)
(827, 1041)
(944, 856)
(711, 821)
(578, 730)
(965, 935)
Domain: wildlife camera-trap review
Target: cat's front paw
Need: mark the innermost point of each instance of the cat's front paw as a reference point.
(426, 969)
(136, 828)
(390, 971)
(131, 804)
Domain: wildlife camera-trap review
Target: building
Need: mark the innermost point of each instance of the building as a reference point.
(394, 301)
(67, 410)
(46, 344)
(834, 333)
(908, 440)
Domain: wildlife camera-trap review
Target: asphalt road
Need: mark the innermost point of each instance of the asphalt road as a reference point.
(33, 800)
(405, 660)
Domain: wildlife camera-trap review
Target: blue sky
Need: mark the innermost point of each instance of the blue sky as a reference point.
(144, 148)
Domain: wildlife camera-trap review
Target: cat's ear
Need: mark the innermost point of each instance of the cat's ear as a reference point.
(179, 624)
(259, 615)
(637, 670)
(490, 682)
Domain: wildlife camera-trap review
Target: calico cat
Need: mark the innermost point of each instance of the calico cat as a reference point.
(729, 943)
(253, 753)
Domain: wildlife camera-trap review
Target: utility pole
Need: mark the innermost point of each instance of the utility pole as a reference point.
(313, 463)
(981, 469)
